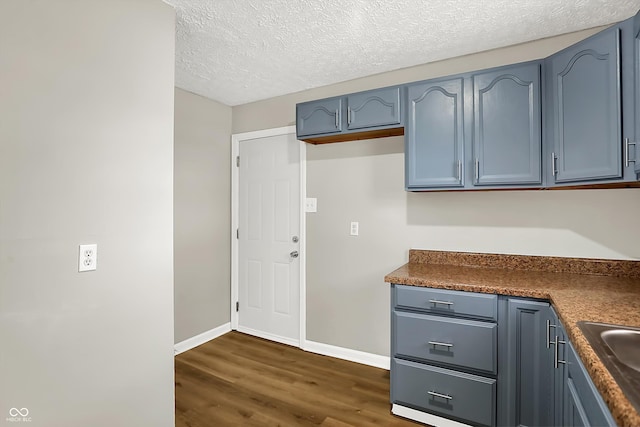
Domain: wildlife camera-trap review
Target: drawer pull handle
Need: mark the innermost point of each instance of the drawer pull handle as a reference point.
(436, 301)
(442, 344)
(555, 358)
(444, 396)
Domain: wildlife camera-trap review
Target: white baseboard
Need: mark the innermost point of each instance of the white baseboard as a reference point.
(423, 417)
(202, 338)
(348, 354)
(268, 336)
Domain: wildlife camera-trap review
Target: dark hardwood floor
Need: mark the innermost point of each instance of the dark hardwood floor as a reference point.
(240, 380)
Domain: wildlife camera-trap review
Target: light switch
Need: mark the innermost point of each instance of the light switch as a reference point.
(354, 228)
(311, 204)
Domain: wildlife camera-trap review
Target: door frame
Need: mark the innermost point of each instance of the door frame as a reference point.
(236, 140)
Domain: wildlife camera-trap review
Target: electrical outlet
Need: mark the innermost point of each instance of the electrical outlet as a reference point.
(354, 228)
(88, 257)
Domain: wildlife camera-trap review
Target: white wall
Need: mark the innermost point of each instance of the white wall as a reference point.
(86, 156)
(347, 300)
(202, 199)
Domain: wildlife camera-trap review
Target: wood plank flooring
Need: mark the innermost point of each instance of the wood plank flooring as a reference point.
(240, 380)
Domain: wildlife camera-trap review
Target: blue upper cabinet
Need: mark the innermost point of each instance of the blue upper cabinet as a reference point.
(319, 117)
(434, 149)
(585, 110)
(507, 127)
(378, 107)
(364, 115)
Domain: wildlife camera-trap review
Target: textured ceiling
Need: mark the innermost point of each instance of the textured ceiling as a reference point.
(239, 51)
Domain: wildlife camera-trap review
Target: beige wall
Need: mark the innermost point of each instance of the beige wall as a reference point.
(86, 156)
(347, 301)
(202, 199)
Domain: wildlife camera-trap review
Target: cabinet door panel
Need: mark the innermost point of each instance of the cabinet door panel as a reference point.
(507, 140)
(435, 137)
(319, 117)
(374, 108)
(530, 379)
(583, 403)
(586, 117)
(575, 413)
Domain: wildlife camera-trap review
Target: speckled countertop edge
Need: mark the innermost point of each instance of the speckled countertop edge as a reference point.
(606, 291)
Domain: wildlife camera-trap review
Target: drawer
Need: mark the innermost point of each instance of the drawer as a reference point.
(456, 395)
(446, 302)
(461, 342)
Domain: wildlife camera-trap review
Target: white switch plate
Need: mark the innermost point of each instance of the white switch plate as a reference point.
(311, 204)
(88, 257)
(354, 228)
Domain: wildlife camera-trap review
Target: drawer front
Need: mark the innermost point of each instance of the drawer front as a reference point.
(442, 301)
(460, 342)
(465, 397)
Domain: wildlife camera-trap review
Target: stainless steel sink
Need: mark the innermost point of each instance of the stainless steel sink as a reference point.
(619, 349)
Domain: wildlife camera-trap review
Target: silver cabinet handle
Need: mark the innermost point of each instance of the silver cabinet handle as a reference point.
(294, 254)
(436, 301)
(554, 170)
(460, 170)
(477, 170)
(627, 160)
(436, 394)
(549, 326)
(337, 122)
(555, 359)
(348, 115)
(442, 344)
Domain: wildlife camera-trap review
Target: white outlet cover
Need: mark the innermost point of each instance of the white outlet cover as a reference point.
(88, 257)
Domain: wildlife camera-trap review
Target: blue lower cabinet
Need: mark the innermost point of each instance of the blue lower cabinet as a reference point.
(527, 371)
(511, 365)
(453, 394)
(583, 404)
(444, 345)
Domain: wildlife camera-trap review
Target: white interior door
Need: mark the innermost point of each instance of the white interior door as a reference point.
(269, 238)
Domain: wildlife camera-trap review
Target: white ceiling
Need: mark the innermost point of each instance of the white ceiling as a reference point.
(239, 51)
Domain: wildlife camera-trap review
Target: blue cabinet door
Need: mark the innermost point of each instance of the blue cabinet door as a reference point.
(584, 405)
(380, 107)
(529, 377)
(585, 110)
(435, 135)
(507, 140)
(575, 415)
(319, 117)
